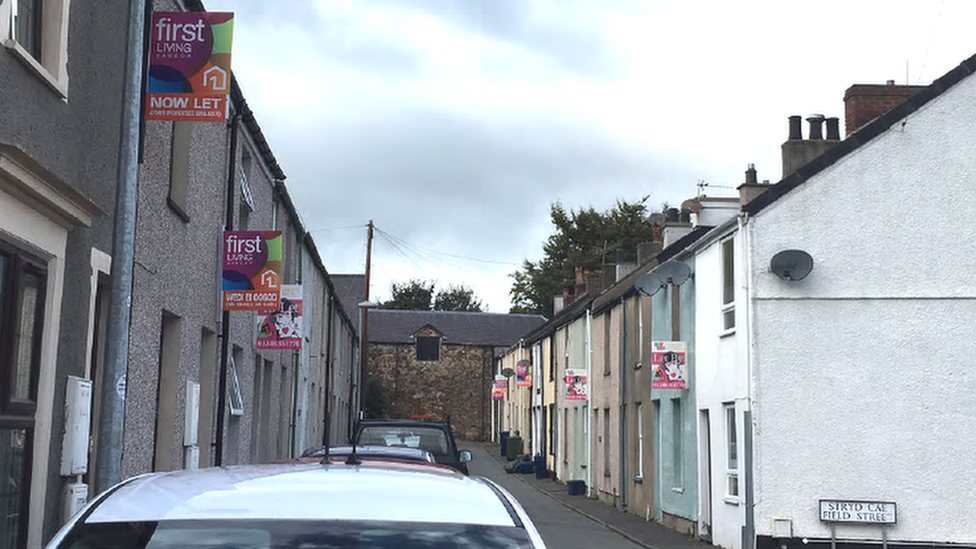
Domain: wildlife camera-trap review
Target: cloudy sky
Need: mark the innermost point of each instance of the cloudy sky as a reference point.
(454, 124)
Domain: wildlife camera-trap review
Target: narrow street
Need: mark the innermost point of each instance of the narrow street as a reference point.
(561, 528)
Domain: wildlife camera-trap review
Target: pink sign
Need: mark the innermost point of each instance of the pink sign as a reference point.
(523, 374)
(669, 359)
(282, 328)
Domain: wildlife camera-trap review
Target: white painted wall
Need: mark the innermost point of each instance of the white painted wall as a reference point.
(721, 377)
(863, 372)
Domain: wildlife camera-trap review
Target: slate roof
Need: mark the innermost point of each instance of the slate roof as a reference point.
(351, 288)
(459, 328)
(863, 135)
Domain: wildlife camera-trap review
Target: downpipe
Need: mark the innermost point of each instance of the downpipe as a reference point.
(623, 408)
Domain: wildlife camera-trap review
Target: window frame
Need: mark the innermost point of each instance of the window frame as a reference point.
(20, 414)
(677, 444)
(728, 284)
(49, 61)
(437, 354)
(731, 444)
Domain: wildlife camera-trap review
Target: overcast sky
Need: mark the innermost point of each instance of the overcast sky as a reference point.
(453, 124)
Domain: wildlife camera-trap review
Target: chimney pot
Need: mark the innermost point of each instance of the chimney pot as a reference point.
(751, 174)
(833, 129)
(795, 130)
(816, 126)
(891, 82)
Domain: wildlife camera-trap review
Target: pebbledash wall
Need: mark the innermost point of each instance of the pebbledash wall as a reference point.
(863, 374)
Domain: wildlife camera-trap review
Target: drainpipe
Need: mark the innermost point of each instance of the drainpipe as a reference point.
(327, 422)
(749, 528)
(589, 403)
(225, 316)
(623, 408)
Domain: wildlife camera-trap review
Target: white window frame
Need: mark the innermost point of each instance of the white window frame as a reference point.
(728, 306)
(677, 445)
(52, 67)
(640, 442)
(730, 420)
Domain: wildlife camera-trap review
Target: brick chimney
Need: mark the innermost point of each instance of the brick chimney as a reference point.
(798, 151)
(752, 187)
(865, 102)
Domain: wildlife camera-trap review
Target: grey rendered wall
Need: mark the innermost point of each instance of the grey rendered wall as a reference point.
(77, 140)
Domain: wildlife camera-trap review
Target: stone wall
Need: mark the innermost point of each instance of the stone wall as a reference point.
(456, 387)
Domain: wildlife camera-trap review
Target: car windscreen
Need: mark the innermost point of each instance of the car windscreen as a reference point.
(284, 534)
(432, 439)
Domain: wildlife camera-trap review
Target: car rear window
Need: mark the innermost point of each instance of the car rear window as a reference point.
(432, 439)
(284, 534)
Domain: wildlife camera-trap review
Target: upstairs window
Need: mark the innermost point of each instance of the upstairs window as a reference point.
(728, 284)
(428, 349)
(27, 25)
(37, 32)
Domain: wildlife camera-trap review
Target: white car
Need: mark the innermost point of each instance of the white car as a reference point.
(376, 505)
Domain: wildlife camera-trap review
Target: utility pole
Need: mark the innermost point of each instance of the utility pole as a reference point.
(112, 408)
(365, 318)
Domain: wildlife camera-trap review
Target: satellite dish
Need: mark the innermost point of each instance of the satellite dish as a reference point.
(791, 264)
(508, 372)
(675, 273)
(649, 283)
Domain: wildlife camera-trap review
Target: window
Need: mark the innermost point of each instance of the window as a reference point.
(677, 451)
(732, 452)
(37, 32)
(606, 442)
(640, 441)
(22, 295)
(606, 344)
(428, 349)
(552, 430)
(179, 168)
(246, 200)
(27, 25)
(728, 284)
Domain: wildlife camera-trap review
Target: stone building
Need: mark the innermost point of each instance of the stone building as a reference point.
(440, 364)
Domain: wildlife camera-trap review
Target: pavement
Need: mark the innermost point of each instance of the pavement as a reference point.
(643, 533)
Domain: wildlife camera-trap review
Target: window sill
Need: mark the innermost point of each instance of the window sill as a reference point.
(678, 490)
(177, 210)
(727, 333)
(58, 87)
(731, 500)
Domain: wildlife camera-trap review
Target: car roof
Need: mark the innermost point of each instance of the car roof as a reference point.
(373, 490)
(368, 451)
(392, 451)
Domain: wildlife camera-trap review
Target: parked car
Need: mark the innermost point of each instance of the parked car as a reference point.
(435, 437)
(376, 504)
(337, 453)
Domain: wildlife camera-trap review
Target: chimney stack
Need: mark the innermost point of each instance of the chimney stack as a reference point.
(752, 188)
(797, 152)
(865, 102)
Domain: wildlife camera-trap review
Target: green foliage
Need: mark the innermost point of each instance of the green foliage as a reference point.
(419, 295)
(375, 400)
(583, 238)
(415, 295)
(458, 298)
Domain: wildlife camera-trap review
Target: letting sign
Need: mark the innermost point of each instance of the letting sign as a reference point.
(868, 512)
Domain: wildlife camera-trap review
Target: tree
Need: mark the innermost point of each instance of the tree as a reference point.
(583, 238)
(458, 298)
(415, 295)
(375, 399)
(419, 295)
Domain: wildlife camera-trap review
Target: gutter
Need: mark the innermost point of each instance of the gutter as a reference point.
(623, 407)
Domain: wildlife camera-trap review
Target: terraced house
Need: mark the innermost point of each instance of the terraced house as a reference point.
(61, 69)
